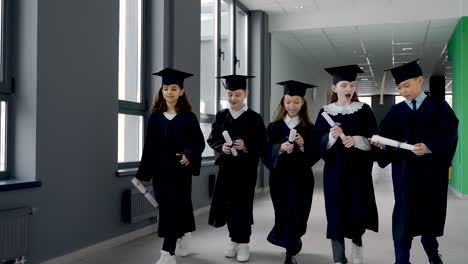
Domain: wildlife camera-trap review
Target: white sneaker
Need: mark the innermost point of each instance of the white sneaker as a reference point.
(166, 258)
(243, 253)
(357, 254)
(231, 250)
(183, 245)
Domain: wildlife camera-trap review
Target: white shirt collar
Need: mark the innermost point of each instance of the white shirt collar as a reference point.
(169, 116)
(334, 109)
(419, 100)
(235, 114)
(291, 122)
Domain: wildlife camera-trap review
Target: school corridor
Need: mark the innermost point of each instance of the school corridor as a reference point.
(78, 88)
(209, 243)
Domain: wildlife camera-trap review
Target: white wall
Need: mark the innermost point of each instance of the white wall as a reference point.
(464, 7)
(286, 66)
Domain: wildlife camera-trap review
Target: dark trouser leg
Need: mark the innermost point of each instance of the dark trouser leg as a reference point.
(169, 245)
(294, 248)
(357, 241)
(402, 251)
(338, 248)
(239, 229)
(431, 246)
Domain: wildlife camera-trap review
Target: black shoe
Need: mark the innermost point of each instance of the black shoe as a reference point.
(436, 260)
(290, 260)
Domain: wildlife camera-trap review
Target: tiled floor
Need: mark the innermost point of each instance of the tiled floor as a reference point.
(209, 243)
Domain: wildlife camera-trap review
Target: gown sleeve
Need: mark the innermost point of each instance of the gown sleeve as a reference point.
(255, 142)
(444, 142)
(271, 153)
(323, 130)
(195, 144)
(216, 140)
(312, 145)
(145, 170)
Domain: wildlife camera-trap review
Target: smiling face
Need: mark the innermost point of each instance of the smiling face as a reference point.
(171, 93)
(410, 88)
(293, 104)
(345, 91)
(236, 98)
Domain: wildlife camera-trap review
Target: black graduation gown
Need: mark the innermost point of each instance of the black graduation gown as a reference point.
(291, 181)
(348, 187)
(172, 182)
(420, 182)
(237, 176)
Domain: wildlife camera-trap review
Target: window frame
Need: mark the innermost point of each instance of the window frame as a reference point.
(135, 108)
(209, 118)
(6, 86)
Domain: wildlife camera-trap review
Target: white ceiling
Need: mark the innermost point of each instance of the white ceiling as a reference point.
(375, 47)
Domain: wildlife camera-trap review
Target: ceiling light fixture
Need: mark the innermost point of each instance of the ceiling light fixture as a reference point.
(300, 7)
(407, 49)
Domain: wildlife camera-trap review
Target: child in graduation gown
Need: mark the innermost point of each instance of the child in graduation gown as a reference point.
(420, 177)
(291, 177)
(348, 187)
(237, 176)
(171, 155)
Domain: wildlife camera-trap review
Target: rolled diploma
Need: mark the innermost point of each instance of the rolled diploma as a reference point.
(145, 192)
(391, 142)
(332, 123)
(229, 142)
(292, 136)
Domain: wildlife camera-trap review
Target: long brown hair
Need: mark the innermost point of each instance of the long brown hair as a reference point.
(303, 114)
(160, 105)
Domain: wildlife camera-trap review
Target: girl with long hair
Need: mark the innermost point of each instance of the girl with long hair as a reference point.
(171, 155)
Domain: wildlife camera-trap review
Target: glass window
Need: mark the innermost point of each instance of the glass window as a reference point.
(130, 38)
(5, 94)
(226, 43)
(3, 133)
(2, 30)
(217, 56)
(131, 96)
(241, 41)
(207, 58)
(130, 138)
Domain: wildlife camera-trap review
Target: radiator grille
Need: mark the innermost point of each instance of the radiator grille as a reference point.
(135, 207)
(14, 232)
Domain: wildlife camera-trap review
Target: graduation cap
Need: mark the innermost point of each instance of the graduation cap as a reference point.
(293, 88)
(344, 73)
(401, 73)
(406, 71)
(235, 82)
(171, 76)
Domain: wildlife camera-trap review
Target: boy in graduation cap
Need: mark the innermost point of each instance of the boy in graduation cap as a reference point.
(232, 202)
(420, 177)
(290, 163)
(348, 187)
(171, 155)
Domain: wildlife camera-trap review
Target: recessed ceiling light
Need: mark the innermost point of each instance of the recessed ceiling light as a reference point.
(407, 49)
(364, 79)
(300, 6)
